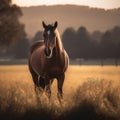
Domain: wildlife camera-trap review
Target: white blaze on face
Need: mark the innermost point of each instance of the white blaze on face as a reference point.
(48, 50)
(48, 32)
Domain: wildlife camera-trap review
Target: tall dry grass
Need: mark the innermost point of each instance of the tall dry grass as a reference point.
(96, 100)
(91, 99)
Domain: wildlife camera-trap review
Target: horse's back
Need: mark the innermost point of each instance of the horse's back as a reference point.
(40, 64)
(36, 45)
(35, 55)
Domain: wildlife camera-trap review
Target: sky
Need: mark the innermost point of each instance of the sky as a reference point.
(106, 4)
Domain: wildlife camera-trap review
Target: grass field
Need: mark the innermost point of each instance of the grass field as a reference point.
(90, 93)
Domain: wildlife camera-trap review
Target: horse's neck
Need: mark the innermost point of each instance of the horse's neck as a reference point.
(59, 45)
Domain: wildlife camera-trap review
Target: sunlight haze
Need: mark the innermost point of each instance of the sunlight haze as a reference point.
(106, 4)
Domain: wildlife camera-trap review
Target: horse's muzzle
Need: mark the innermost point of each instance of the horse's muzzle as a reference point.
(48, 52)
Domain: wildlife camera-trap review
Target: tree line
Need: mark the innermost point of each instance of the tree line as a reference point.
(83, 44)
(78, 44)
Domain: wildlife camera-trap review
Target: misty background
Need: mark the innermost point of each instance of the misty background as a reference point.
(88, 33)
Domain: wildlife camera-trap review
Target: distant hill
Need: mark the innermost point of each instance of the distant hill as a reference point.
(70, 16)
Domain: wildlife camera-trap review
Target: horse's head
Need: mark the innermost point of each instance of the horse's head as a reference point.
(49, 38)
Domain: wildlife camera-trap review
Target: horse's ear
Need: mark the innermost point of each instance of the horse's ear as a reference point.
(44, 25)
(55, 25)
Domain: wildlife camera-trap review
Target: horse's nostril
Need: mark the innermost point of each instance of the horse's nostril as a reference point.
(47, 52)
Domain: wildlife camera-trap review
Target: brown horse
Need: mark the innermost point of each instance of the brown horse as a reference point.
(48, 60)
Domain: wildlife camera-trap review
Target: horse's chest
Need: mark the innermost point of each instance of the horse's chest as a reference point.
(55, 67)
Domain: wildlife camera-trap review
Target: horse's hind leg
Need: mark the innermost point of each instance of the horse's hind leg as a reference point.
(60, 81)
(48, 88)
(35, 79)
(42, 82)
(34, 76)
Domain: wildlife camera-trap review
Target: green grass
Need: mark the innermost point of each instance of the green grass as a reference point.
(90, 93)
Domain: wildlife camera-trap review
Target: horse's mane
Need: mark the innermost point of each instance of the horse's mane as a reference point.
(59, 40)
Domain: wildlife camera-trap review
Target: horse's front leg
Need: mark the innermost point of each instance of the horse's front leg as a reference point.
(48, 88)
(60, 81)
